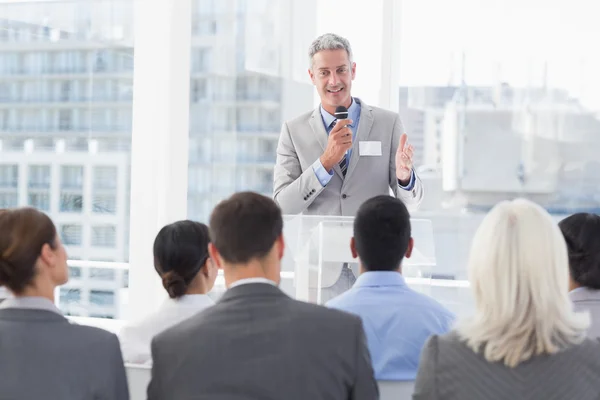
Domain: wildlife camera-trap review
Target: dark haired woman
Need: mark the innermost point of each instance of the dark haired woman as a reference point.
(582, 234)
(188, 274)
(43, 355)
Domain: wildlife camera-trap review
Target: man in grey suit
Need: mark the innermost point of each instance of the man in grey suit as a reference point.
(327, 166)
(256, 342)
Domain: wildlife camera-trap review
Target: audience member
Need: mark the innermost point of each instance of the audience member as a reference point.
(43, 355)
(524, 341)
(397, 319)
(582, 234)
(188, 274)
(256, 342)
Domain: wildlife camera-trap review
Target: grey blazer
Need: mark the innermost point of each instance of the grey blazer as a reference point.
(302, 141)
(450, 370)
(586, 299)
(257, 343)
(44, 356)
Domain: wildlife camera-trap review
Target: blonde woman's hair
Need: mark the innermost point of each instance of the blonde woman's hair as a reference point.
(519, 274)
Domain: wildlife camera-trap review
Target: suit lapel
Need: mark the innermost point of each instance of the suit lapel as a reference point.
(364, 129)
(316, 123)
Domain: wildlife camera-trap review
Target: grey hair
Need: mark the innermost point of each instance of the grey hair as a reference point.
(329, 41)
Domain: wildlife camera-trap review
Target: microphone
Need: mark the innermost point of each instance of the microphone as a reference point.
(341, 112)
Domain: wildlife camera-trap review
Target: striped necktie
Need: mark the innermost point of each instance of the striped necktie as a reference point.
(344, 162)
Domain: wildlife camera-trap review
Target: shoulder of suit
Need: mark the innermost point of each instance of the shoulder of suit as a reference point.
(302, 119)
(92, 334)
(382, 112)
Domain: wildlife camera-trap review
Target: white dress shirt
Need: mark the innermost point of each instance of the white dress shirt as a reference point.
(136, 337)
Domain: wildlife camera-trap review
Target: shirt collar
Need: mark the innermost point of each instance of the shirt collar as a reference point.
(380, 278)
(251, 280)
(31, 303)
(352, 112)
(578, 289)
(195, 300)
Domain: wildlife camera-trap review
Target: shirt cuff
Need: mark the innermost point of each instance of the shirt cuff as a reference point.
(322, 175)
(411, 183)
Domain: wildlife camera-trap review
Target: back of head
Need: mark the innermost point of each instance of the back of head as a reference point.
(245, 227)
(23, 233)
(519, 276)
(180, 251)
(582, 235)
(382, 233)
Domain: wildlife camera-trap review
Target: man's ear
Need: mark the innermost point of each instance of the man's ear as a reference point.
(409, 249)
(353, 248)
(215, 255)
(281, 245)
(312, 76)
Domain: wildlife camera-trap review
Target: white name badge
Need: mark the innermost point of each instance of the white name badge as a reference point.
(369, 148)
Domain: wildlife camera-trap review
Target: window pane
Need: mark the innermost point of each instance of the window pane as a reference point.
(71, 235)
(102, 297)
(40, 201)
(70, 296)
(104, 236)
(9, 176)
(39, 176)
(233, 135)
(102, 274)
(66, 78)
(74, 272)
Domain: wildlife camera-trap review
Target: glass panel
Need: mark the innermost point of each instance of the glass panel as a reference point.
(104, 236)
(102, 297)
(71, 235)
(66, 78)
(239, 94)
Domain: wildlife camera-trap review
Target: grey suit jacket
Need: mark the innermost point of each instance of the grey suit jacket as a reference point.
(44, 356)
(450, 370)
(304, 139)
(586, 299)
(257, 343)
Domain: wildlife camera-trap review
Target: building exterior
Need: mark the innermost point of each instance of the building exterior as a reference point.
(538, 144)
(66, 76)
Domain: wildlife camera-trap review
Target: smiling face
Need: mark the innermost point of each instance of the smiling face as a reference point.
(332, 73)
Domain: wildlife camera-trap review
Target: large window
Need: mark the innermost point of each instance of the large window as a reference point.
(66, 77)
(499, 102)
(234, 134)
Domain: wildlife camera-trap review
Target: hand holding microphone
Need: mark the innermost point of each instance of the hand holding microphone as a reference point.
(340, 140)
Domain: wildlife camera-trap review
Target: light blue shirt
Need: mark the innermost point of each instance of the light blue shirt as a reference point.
(325, 176)
(397, 321)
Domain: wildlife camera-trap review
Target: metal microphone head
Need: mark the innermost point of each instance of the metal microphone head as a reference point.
(341, 112)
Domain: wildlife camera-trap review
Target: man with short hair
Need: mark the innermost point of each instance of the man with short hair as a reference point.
(397, 319)
(256, 342)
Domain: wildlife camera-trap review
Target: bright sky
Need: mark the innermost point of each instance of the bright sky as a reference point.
(507, 40)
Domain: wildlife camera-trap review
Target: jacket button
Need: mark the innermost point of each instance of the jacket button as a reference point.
(344, 196)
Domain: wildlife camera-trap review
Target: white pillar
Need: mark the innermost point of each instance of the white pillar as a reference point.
(390, 55)
(159, 152)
